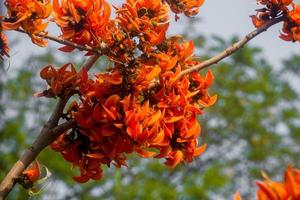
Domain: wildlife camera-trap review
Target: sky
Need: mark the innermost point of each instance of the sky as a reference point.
(222, 17)
(231, 17)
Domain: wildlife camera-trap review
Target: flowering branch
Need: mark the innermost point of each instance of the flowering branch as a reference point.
(230, 50)
(48, 134)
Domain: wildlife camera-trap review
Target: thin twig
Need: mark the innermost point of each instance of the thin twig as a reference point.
(64, 42)
(230, 50)
(48, 134)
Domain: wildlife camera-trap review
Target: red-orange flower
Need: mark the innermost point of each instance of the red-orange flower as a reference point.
(81, 21)
(145, 19)
(286, 9)
(188, 7)
(33, 172)
(272, 9)
(291, 28)
(29, 15)
(237, 196)
(140, 15)
(288, 189)
(62, 81)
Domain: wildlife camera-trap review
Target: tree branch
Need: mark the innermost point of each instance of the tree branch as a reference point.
(230, 50)
(64, 42)
(48, 134)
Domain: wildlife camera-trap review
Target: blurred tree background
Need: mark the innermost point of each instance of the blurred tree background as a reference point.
(254, 126)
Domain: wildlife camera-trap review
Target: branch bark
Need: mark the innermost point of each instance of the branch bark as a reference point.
(230, 50)
(48, 134)
(64, 42)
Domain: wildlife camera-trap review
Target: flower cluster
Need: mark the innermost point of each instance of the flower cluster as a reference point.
(189, 8)
(28, 14)
(271, 190)
(138, 23)
(81, 21)
(142, 107)
(280, 8)
(61, 82)
(288, 189)
(141, 103)
(291, 27)
(148, 20)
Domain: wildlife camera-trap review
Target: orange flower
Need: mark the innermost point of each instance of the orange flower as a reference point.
(280, 8)
(145, 19)
(289, 189)
(184, 51)
(188, 7)
(81, 21)
(33, 172)
(291, 30)
(295, 15)
(272, 9)
(61, 81)
(237, 196)
(165, 61)
(140, 15)
(146, 75)
(89, 169)
(29, 15)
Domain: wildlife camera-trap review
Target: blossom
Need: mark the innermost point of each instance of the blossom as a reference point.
(271, 9)
(291, 28)
(288, 189)
(280, 8)
(188, 7)
(237, 196)
(28, 14)
(33, 172)
(81, 22)
(62, 81)
(140, 15)
(148, 20)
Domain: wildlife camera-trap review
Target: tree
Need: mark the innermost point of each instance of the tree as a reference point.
(133, 80)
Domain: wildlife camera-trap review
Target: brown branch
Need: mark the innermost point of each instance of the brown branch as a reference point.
(64, 42)
(89, 63)
(48, 134)
(230, 50)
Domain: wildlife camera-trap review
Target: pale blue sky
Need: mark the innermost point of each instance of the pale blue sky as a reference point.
(231, 17)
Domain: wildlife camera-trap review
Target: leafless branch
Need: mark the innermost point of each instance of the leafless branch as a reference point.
(230, 50)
